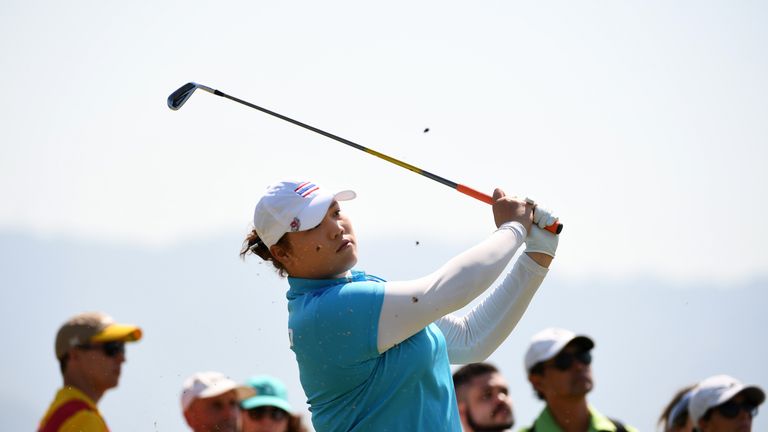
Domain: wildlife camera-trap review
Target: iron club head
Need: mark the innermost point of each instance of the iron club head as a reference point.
(177, 98)
(180, 96)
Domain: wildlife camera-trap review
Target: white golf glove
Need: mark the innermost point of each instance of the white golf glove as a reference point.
(543, 217)
(540, 240)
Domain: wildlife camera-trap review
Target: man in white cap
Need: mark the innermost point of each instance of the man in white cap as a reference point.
(210, 402)
(90, 348)
(722, 403)
(558, 366)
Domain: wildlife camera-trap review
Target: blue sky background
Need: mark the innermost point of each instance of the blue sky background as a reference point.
(643, 124)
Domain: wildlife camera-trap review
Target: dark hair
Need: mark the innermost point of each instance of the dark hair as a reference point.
(294, 424)
(253, 245)
(537, 369)
(664, 420)
(63, 363)
(465, 374)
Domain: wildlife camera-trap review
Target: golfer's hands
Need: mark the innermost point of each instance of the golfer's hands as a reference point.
(511, 209)
(543, 217)
(542, 244)
(541, 241)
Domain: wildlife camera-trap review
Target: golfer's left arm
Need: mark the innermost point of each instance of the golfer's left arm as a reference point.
(475, 336)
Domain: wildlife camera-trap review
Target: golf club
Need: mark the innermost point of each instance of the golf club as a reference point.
(177, 99)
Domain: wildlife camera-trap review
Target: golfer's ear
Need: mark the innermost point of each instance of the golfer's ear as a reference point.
(279, 253)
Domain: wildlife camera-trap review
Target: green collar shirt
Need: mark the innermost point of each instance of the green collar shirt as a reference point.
(597, 423)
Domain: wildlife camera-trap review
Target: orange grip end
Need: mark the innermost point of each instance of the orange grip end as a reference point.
(474, 194)
(555, 228)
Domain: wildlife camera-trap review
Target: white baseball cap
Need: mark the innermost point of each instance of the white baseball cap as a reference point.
(549, 342)
(292, 206)
(717, 390)
(203, 385)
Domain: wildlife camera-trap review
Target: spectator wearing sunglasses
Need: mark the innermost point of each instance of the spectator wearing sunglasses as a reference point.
(722, 403)
(90, 348)
(482, 394)
(209, 401)
(268, 410)
(558, 366)
(675, 416)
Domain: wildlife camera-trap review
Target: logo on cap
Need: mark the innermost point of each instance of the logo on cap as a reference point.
(265, 389)
(295, 224)
(306, 189)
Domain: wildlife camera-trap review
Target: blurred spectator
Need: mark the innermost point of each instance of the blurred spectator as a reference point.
(558, 366)
(210, 402)
(268, 409)
(675, 416)
(483, 398)
(723, 404)
(90, 348)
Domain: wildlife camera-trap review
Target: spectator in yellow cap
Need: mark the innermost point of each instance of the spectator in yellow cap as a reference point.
(90, 348)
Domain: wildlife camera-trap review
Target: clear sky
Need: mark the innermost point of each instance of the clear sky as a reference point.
(642, 124)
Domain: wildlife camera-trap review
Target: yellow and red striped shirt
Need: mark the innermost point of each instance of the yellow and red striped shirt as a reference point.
(72, 411)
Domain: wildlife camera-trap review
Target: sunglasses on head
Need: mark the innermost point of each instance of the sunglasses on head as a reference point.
(274, 413)
(110, 349)
(564, 360)
(732, 409)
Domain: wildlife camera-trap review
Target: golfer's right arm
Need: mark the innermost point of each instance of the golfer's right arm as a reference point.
(409, 306)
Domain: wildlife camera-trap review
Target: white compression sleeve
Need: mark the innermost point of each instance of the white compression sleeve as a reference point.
(475, 336)
(409, 306)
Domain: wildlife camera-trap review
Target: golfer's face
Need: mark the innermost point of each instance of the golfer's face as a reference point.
(326, 251)
(488, 402)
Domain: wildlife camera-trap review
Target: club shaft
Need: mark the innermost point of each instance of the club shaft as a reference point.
(556, 228)
(387, 158)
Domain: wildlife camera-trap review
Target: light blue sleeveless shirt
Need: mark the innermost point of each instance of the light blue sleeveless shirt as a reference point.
(333, 327)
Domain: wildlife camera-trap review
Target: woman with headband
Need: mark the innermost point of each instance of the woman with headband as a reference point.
(675, 416)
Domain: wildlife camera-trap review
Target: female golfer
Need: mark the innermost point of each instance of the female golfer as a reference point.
(375, 355)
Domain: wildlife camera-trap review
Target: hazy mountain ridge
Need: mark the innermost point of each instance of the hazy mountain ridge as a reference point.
(203, 308)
